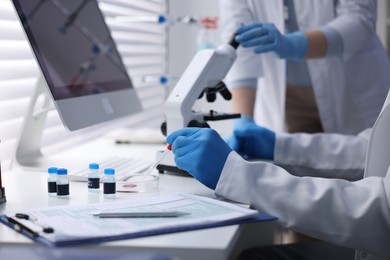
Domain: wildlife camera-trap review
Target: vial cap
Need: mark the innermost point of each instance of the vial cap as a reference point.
(62, 171)
(52, 170)
(109, 171)
(161, 19)
(164, 80)
(93, 166)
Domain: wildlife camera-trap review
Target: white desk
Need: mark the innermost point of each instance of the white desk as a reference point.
(28, 189)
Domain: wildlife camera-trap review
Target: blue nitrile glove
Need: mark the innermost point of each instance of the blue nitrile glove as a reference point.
(255, 142)
(265, 37)
(201, 152)
(231, 140)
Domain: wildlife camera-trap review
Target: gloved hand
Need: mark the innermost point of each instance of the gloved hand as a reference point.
(231, 140)
(201, 152)
(254, 141)
(265, 37)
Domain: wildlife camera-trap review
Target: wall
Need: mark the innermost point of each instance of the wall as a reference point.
(182, 43)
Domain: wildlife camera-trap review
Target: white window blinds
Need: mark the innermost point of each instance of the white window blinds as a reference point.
(142, 46)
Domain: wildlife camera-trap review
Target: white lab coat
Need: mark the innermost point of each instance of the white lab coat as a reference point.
(322, 155)
(350, 89)
(352, 214)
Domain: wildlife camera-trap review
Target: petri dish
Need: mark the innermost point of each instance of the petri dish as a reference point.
(138, 182)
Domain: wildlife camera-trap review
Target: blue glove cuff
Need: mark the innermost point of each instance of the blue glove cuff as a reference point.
(269, 154)
(299, 45)
(243, 120)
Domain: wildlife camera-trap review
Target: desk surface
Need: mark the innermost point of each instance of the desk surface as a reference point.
(28, 189)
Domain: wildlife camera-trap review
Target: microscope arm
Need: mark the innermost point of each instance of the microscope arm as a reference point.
(207, 68)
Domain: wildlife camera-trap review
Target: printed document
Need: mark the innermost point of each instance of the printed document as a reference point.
(78, 223)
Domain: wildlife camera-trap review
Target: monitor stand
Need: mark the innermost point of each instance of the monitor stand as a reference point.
(28, 151)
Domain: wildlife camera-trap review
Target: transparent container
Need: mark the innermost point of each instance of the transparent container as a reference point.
(52, 181)
(147, 180)
(109, 183)
(93, 177)
(208, 36)
(139, 183)
(62, 183)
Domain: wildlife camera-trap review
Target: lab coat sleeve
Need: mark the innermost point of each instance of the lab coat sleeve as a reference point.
(322, 155)
(355, 22)
(352, 214)
(247, 66)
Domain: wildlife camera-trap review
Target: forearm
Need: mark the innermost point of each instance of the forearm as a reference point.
(243, 100)
(317, 45)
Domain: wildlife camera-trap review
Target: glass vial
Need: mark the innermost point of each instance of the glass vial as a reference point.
(93, 177)
(52, 181)
(109, 183)
(62, 183)
(208, 37)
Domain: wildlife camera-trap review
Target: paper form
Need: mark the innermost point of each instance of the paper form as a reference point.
(78, 222)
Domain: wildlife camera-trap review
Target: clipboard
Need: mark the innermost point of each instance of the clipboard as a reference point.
(245, 216)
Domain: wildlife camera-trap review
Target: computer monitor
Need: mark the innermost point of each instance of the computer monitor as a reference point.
(81, 69)
(79, 60)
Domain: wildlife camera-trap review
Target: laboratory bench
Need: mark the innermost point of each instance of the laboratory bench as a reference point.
(26, 188)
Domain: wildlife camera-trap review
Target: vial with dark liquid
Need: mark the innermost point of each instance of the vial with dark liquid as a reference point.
(62, 183)
(93, 177)
(109, 183)
(52, 181)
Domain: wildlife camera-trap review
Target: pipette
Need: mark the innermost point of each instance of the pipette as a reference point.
(163, 155)
(148, 172)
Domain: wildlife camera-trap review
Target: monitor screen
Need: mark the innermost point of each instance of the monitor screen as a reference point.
(79, 60)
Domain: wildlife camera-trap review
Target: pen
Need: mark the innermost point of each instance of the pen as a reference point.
(146, 214)
(122, 141)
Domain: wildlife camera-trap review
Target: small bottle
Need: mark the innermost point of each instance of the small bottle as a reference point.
(62, 183)
(109, 183)
(52, 181)
(93, 177)
(208, 37)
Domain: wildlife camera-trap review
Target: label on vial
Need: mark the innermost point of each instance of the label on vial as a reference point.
(109, 188)
(52, 186)
(63, 189)
(93, 183)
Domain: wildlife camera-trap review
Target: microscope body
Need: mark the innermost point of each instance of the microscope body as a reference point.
(207, 69)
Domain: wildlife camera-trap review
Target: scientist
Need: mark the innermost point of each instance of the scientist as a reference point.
(354, 214)
(317, 63)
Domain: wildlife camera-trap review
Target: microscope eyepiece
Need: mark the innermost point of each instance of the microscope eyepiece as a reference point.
(233, 41)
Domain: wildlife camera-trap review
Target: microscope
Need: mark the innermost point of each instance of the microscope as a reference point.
(203, 76)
